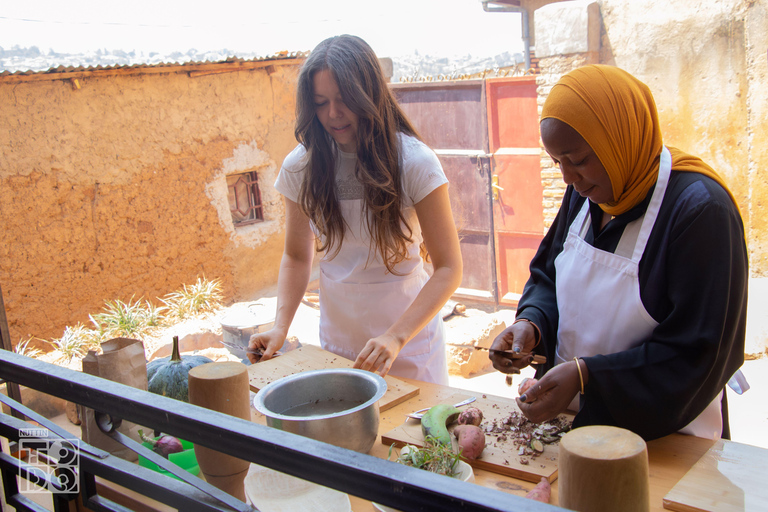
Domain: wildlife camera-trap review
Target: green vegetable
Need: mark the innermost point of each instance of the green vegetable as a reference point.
(434, 457)
(435, 422)
(169, 376)
(537, 445)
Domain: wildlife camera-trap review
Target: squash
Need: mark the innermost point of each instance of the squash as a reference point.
(169, 376)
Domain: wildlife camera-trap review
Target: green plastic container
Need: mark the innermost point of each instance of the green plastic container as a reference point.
(185, 459)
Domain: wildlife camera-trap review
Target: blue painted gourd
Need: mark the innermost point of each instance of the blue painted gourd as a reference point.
(169, 376)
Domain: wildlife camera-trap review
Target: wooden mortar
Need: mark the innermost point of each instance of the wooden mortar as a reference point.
(603, 468)
(222, 387)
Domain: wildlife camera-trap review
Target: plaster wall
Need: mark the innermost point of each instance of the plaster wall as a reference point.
(116, 189)
(756, 37)
(695, 58)
(532, 7)
(705, 63)
(579, 19)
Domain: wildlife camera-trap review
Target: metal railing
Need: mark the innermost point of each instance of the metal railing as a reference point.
(358, 474)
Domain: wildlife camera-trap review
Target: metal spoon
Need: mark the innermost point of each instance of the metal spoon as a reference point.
(417, 415)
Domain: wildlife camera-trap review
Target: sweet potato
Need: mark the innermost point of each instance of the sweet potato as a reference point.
(541, 492)
(471, 440)
(526, 385)
(471, 416)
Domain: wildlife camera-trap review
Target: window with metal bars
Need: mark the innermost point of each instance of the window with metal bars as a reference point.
(244, 198)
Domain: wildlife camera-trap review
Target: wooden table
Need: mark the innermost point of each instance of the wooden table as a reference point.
(669, 458)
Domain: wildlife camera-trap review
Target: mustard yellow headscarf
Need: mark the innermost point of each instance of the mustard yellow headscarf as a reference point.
(616, 114)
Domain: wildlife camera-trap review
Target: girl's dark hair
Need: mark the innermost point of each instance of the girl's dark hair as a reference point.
(357, 71)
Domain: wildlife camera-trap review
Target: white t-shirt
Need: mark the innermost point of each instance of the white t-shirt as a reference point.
(422, 174)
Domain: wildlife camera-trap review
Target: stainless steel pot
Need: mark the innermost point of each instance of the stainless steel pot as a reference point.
(242, 321)
(336, 406)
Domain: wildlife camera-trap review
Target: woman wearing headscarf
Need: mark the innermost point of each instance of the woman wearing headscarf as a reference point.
(638, 293)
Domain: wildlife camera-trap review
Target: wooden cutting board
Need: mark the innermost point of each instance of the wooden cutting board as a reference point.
(312, 357)
(500, 454)
(729, 477)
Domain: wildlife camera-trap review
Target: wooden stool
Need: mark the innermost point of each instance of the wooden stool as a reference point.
(603, 469)
(222, 387)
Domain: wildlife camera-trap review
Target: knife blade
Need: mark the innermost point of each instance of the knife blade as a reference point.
(291, 343)
(537, 359)
(248, 350)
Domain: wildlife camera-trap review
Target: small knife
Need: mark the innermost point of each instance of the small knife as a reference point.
(247, 350)
(240, 347)
(537, 359)
(291, 343)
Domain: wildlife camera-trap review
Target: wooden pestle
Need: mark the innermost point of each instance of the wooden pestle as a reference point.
(222, 387)
(603, 468)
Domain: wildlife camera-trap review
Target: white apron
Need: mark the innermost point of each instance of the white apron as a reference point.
(353, 311)
(590, 280)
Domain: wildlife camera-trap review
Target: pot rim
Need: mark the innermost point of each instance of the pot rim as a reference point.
(258, 400)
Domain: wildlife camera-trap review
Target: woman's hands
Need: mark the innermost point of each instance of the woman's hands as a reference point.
(268, 342)
(295, 269)
(519, 337)
(442, 242)
(544, 399)
(552, 394)
(378, 354)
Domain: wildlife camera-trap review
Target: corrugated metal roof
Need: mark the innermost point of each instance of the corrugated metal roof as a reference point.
(169, 66)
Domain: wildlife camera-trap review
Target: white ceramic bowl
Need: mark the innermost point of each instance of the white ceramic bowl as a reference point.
(272, 491)
(465, 473)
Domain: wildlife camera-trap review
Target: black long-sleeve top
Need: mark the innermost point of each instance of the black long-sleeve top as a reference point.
(693, 281)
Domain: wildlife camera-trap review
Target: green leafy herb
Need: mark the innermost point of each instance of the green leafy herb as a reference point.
(433, 457)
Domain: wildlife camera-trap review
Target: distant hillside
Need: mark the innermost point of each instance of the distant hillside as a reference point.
(415, 66)
(411, 66)
(32, 59)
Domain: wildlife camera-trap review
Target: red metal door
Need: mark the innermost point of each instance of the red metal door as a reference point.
(518, 216)
(452, 119)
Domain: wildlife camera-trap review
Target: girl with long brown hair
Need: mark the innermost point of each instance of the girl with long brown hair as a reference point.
(362, 189)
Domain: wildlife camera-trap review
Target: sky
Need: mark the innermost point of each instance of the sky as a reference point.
(391, 27)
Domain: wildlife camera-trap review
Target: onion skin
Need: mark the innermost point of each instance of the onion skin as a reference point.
(167, 445)
(163, 445)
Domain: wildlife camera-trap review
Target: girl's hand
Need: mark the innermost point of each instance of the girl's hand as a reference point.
(552, 394)
(378, 354)
(268, 342)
